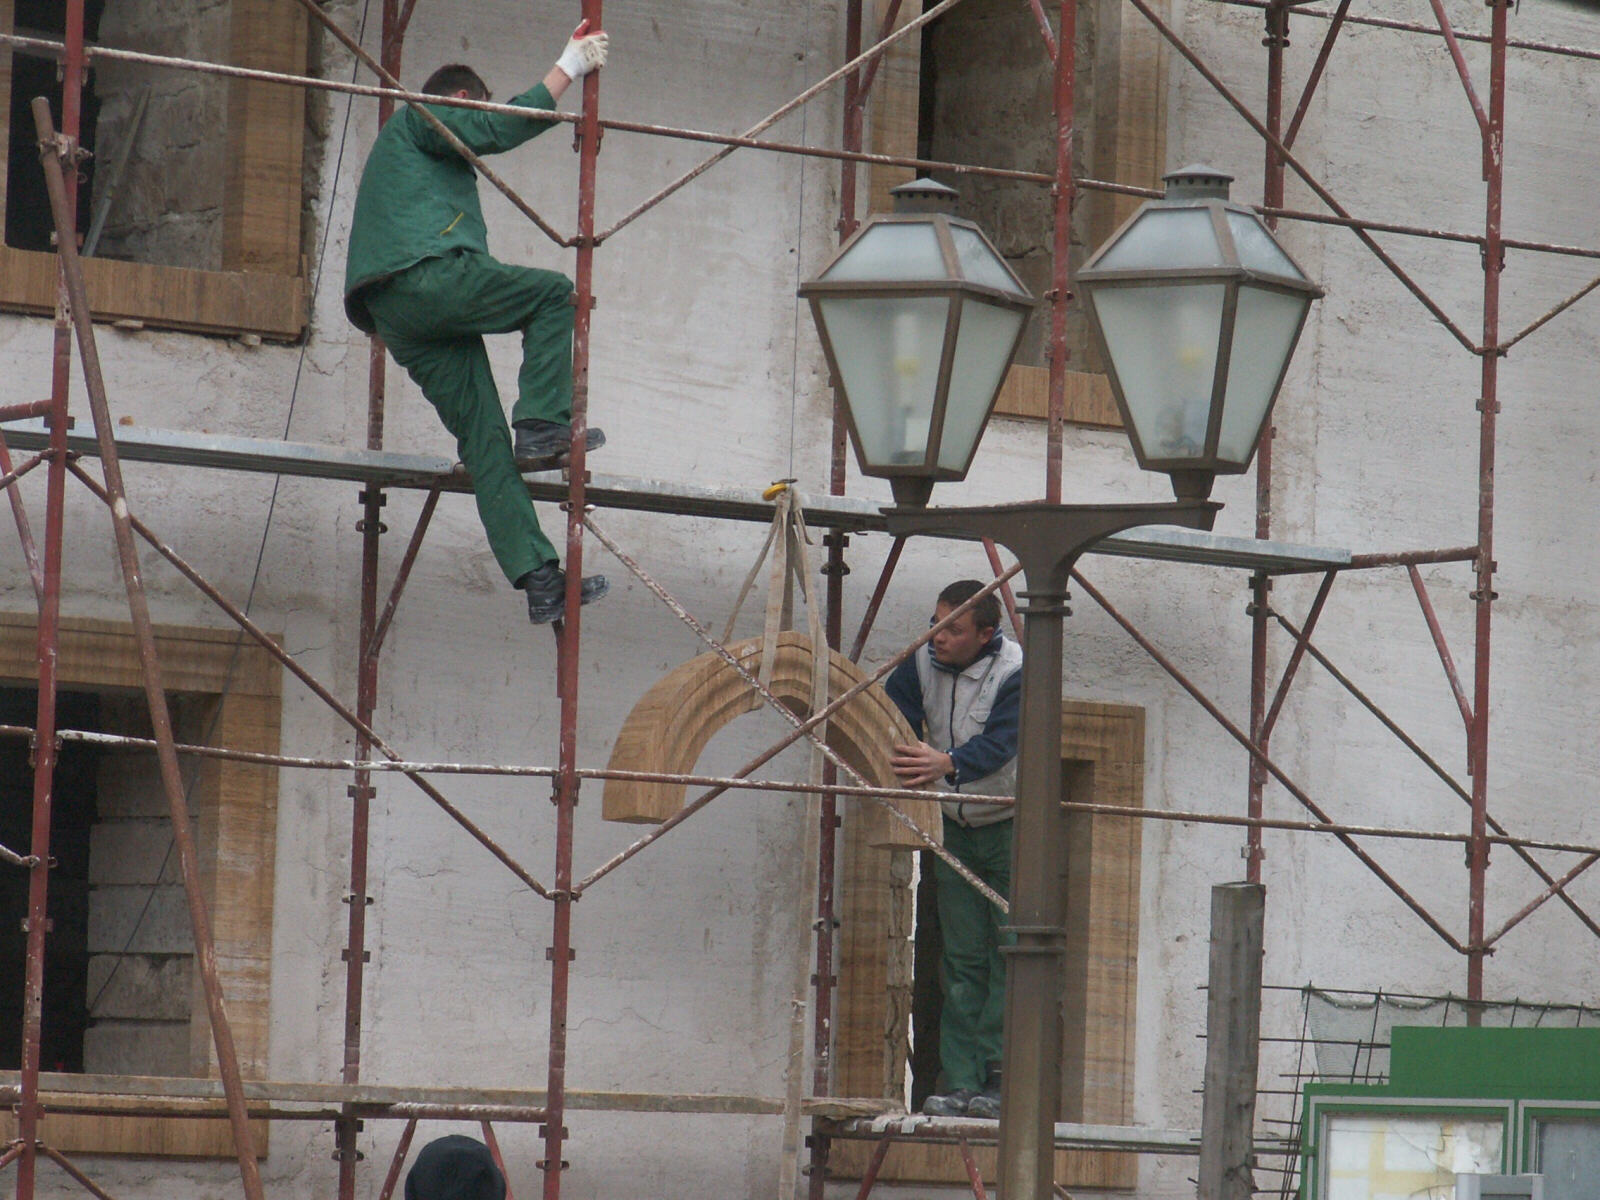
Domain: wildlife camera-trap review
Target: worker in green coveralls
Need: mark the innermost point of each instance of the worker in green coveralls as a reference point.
(419, 274)
(961, 693)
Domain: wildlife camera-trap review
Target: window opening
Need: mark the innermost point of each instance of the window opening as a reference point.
(28, 223)
(119, 982)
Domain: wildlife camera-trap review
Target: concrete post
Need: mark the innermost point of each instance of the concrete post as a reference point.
(1233, 1028)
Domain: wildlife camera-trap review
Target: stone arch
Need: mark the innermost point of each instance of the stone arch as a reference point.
(671, 724)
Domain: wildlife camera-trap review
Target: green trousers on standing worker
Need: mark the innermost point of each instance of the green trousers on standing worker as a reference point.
(433, 316)
(973, 1016)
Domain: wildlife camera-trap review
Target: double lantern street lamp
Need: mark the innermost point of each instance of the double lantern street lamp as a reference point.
(1197, 309)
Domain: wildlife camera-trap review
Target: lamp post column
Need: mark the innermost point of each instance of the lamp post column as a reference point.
(1047, 539)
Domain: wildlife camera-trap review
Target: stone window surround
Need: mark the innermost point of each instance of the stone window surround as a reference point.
(262, 289)
(236, 805)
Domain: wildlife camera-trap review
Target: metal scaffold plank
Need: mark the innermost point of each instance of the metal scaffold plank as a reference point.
(437, 472)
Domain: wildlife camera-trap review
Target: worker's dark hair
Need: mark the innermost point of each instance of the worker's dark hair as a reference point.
(456, 77)
(985, 613)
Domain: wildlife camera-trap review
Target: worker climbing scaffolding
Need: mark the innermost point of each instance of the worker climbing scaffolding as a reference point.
(419, 274)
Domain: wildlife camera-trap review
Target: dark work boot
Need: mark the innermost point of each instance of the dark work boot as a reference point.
(985, 1106)
(547, 591)
(950, 1104)
(541, 445)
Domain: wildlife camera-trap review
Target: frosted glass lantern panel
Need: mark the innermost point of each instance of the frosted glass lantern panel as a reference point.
(888, 352)
(980, 264)
(1257, 251)
(983, 348)
(1163, 345)
(889, 250)
(1265, 328)
(1165, 239)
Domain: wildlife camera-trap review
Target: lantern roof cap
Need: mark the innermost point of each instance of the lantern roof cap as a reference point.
(1197, 181)
(924, 196)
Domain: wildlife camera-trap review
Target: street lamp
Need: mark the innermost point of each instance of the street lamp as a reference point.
(919, 318)
(1197, 309)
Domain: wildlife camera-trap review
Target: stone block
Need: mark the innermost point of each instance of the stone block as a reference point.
(129, 785)
(133, 851)
(120, 921)
(141, 987)
(137, 1048)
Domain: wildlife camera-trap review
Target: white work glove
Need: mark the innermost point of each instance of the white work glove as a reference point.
(584, 53)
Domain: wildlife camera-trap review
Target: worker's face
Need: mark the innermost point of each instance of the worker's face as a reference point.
(959, 643)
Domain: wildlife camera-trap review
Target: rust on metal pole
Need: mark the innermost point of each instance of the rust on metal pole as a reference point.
(1443, 647)
(870, 617)
(360, 790)
(398, 1160)
(568, 630)
(49, 636)
(52, 149)
(869, 1177)
(30, 549)
(1315, 77)
(403, 575)
(1489, 408)
(1297, 655)
(1007, 597)
(1062, 193)
(1276, 40)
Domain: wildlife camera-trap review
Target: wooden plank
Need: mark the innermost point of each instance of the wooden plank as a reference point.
(1026, 393)
(137, 1136)
(231, 302)
(62, 1089)
(266, 125)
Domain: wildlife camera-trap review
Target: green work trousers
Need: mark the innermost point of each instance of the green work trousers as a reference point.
(971, 969)
(433, 316)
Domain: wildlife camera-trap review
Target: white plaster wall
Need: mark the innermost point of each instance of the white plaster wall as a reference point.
(703, 372)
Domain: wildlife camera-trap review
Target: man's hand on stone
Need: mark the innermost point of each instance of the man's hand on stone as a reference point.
(584, 53)
(917, 763)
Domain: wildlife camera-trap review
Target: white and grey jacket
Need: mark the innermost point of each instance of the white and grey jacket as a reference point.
(972, 715)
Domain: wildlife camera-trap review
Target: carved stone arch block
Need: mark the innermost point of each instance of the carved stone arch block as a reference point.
(669, 728)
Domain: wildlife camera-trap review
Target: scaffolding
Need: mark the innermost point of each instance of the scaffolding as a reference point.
(346, 1103)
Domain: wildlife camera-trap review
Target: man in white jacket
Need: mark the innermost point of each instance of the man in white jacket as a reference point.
(962, 694)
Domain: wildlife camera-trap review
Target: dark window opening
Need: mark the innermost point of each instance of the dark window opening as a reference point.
(118, 988)
(29, 225)
(72, 815)
(152, 190)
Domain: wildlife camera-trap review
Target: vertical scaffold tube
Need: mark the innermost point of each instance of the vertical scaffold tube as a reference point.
(1489, 408)
(361, 790)
(1277, 39)
(828, 841)
(567, 633)
(205, 950)
(49, 637)
(1063, 193)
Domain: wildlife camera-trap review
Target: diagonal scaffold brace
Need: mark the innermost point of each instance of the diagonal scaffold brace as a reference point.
(52, 150)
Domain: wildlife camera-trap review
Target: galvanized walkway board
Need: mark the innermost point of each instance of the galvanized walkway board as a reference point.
(389, 468)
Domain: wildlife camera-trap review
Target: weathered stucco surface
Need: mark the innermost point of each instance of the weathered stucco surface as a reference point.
(705, 371)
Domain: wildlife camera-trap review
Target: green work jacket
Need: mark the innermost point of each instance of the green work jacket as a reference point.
(419, 198)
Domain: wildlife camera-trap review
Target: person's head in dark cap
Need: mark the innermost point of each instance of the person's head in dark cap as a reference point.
(455, 1168)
